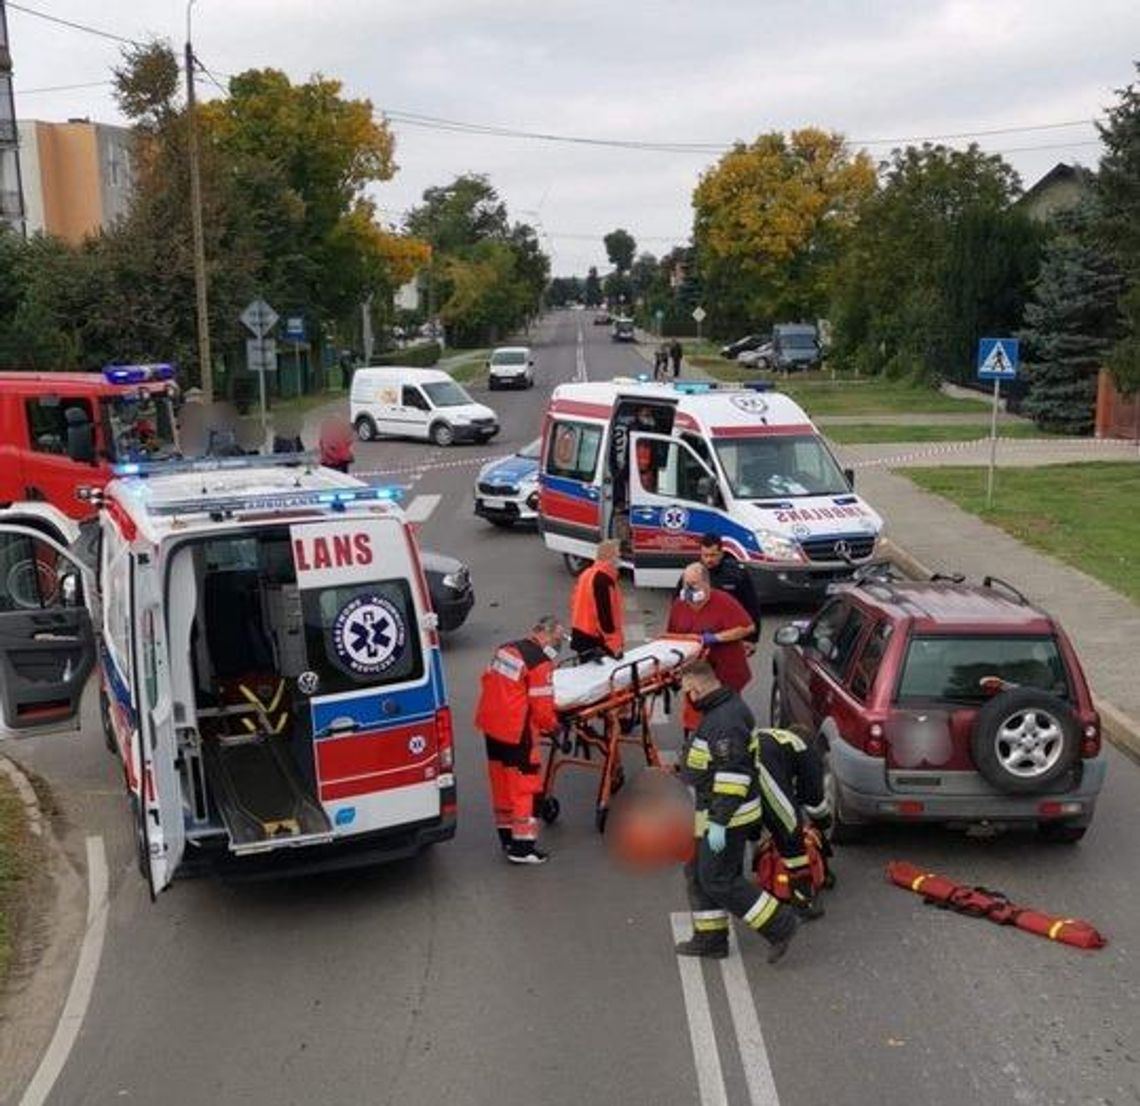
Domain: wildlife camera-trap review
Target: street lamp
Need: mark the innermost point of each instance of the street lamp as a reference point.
(200, 288)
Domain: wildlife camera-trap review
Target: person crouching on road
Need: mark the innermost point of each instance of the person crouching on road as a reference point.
(596, 615)
(515, 710)
(720, 762)
(719, 622)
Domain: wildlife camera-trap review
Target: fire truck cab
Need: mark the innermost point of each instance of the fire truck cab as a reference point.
(269, 667)
(63, 431)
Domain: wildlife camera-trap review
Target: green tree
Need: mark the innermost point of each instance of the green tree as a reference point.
(1118, 188)
(1070, 323)
(770, 220)
(593, 287)
(620, 248)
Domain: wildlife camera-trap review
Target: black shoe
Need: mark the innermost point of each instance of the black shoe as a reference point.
(505, 838)
(526, 852)
(808, 909)
(779, 933)
(710, 945)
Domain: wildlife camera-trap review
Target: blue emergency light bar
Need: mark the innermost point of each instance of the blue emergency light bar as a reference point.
(336, 498)
(137, 374)
(693, 387)
(216, 464)
(759, 386)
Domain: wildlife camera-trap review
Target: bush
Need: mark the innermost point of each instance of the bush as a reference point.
(422, 356)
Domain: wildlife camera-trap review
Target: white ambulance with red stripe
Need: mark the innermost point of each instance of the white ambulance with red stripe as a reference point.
(270, 671)
(659, 465)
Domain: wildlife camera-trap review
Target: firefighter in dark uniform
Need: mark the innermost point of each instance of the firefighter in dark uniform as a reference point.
(793, 771)
(516, 708)
(720, 761)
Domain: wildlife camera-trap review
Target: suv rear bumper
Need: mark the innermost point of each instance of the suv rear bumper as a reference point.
(864, 795)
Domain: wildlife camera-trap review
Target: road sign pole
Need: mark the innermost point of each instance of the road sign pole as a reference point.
(261, 383)
(993, 447)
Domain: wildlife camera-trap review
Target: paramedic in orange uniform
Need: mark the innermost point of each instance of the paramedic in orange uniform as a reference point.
(596, 616)
(516, 707)
(720, 623)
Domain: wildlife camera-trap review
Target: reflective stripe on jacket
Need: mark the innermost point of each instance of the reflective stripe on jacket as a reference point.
(516, 695)
(720, 761)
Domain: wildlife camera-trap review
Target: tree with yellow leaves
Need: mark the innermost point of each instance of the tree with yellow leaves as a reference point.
(769, 222)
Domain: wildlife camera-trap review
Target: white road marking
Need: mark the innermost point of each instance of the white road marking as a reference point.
(581, 356)
(420, 509)
(710, 1078)
(746, 1022)
(82, 983)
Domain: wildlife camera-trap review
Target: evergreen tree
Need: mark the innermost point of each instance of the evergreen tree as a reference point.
(1070, 323)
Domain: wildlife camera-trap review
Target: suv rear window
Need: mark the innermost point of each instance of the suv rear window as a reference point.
(952, 667)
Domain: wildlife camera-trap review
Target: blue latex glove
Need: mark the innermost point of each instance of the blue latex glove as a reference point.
(708, 637)
(717, 837)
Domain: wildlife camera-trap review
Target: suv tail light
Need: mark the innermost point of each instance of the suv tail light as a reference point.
(875, 743)
(1090, 741)
(445, 739)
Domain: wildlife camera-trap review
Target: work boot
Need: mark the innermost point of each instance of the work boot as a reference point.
(526, 852)
(505, 838)
(779, 932)
(712, 944)
(805, 901)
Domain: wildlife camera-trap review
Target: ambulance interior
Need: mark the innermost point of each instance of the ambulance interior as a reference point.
(633, 416)
(237, 647)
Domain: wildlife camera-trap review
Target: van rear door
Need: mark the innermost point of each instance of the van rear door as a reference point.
(574, 517)
(373, 676)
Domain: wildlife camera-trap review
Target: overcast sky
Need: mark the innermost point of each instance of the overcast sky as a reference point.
(642, 70)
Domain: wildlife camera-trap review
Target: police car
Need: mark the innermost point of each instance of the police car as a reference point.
(269, 663)
(659, 465)
(506, 491)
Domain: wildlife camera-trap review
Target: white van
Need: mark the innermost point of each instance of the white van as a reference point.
(659, 465)
(269, 663)
(417, 403)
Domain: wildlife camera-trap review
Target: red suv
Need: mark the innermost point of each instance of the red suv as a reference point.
(942, 701)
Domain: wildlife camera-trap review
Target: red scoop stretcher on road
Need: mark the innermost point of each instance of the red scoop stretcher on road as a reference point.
(979, 902)
(606, 704)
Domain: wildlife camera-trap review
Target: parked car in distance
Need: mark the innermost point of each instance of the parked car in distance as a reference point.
(602, 318)
(449, 584)
(510, 367)
(942, 701)
(742, 345)
(761, 357)
(624, 331)
(506, 490)
(795, 346)
(417, 403)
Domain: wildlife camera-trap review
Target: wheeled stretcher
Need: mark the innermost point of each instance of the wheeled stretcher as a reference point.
(603, 705)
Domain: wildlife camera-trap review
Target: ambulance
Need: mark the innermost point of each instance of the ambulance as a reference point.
(659, 465)
(269, 664)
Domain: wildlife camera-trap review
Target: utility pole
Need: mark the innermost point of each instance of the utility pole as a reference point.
(201, 292)
(11, 187)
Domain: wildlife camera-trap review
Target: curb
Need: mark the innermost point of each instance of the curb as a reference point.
(27, 794)
(1119, 727)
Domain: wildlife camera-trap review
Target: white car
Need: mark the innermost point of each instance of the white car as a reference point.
(762, 357)
(510, 367)
(506, 490)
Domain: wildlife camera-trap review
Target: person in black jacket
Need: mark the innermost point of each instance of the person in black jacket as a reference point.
(727, 574)
(720, 761)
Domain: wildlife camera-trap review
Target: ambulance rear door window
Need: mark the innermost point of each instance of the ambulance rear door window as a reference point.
(573, 450)
(362, 635)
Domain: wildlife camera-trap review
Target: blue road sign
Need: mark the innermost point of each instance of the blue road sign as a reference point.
(997, 359)
(295, 328)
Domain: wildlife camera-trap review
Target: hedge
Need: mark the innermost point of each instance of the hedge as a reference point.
(416, 357)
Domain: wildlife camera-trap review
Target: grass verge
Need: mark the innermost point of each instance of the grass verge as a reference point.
(469, 366)
(1083, 514)
(868, 432)
(19, 858)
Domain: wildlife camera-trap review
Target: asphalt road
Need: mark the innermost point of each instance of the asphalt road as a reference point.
(458, 978)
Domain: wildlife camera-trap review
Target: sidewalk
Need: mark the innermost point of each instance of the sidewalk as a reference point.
(1103, 625)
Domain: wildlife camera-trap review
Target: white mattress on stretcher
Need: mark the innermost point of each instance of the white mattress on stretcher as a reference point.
(584, 684)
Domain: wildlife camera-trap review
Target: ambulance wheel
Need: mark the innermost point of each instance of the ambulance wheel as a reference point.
(109, 738)
(576, 565)
(142, 859)
(549, 809)
(600, 817)
(365, 429)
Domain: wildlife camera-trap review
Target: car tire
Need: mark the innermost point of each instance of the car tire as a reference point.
(366, 429)
(1018, 728)
(777, 718)
(842, 831)
(492, 386)
(576, 565)
(1061, 833)
(441, 434)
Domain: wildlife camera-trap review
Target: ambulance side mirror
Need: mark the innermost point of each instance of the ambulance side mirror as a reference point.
(849, 476)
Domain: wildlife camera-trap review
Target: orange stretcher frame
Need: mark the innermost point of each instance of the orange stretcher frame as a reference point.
(621, 718)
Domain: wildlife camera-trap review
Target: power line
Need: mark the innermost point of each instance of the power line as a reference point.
(73, 25)
(62, 87)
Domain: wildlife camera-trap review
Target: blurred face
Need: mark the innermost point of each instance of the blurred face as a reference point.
(711, 556)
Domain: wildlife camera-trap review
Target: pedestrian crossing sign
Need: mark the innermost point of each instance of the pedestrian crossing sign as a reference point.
(997, 359)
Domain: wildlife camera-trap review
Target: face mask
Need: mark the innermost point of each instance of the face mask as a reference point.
(693, 595)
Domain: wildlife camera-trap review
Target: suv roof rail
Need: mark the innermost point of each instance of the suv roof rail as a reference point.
(948, 578)
(996, 582)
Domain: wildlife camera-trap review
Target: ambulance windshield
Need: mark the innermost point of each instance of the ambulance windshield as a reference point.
(141, 427)
(780, 467)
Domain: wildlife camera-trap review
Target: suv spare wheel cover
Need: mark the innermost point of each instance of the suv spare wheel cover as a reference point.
(1024, 740)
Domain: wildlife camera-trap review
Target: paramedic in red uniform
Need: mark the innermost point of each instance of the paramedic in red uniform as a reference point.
(516, 707)
(596, 615)
(720, 623)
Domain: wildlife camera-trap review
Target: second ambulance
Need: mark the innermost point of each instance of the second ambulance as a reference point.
(659, 465)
